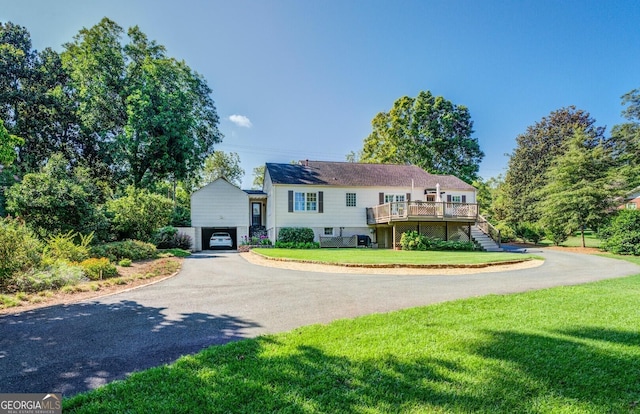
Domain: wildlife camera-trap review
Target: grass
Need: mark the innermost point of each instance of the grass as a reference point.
(561, 350)
(387, 256)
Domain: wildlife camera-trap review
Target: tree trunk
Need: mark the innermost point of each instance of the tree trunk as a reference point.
(582, 231)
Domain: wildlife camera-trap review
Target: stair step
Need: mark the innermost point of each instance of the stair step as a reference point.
(486, 243)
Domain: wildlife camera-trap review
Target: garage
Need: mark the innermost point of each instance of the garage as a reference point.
(208, 231)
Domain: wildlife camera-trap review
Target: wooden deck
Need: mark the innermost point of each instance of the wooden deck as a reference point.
(422, 211)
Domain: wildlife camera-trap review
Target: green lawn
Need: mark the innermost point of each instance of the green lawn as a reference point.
(562, 350)
(388, 256)
(590, 240)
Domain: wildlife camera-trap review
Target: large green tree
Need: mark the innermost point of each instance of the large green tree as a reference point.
(532, 157)
(223, 165)
(428, 131)
(35, 100)
(579, 189)
(144, 116)
(625, 140)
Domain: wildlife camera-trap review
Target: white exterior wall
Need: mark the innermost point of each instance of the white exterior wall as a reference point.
(220, 204)
(191, 232)
(336, 214)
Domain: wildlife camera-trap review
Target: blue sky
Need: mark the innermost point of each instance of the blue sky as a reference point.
(303, 79)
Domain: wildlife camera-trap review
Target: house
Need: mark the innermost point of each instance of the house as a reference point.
(222, 207)
(631, 201)
(342, 202)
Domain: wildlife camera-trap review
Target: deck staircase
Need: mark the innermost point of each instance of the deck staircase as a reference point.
(481, 239)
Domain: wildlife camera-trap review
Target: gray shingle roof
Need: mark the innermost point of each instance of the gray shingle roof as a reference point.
(349, 174)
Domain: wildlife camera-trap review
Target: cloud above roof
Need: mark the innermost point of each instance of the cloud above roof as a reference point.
(241, 121)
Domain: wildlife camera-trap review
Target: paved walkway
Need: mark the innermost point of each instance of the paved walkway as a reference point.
(220, 297)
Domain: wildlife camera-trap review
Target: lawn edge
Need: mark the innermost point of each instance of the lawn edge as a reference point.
(396, 265)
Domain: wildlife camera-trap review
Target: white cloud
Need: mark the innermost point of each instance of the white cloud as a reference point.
(241, 121)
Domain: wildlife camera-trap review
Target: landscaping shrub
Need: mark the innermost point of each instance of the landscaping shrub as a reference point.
(529, 232)
(64, 247)
(169, 238)
(138, 214)
(262, 240)
(97, 269)
(58, 199)
(507, 234)
(297, 245)
(163, 237)
(622, 234)
(412, 240)
(20, 251)
(557, 235)
(127, 249)
(124, 262)
(295, 235)
(53, 277)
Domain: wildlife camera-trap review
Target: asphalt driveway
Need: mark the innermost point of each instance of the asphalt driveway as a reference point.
(219, 297)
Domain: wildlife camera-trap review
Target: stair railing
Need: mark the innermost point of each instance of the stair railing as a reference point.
(489, 229)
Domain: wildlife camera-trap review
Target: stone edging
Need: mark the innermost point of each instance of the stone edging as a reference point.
(396, 266)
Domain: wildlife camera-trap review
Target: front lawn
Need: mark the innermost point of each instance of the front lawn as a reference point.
(562, 350)
(390, 257)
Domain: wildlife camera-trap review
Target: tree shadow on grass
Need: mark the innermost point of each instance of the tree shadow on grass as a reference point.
(78, 347)
(248, 377)
(591, 369)
(506, 372)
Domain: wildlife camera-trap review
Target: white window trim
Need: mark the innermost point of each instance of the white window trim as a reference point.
(305, 202)
(324, 231)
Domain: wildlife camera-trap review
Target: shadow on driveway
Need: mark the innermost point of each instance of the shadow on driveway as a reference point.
(78, 347)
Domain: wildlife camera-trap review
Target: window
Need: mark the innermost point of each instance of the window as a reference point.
(632, 206)
(456, 199)
(328, 231)
(390, 198)
(305, 201)
(351, 199)
(397, 208)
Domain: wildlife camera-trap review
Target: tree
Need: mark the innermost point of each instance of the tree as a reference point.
(578, 191)
(139, 214)
(487, 193)
(95, 62)
(625, 139)
(58, 200)
(144, 116)
(34, 100)
(427, 131)
(223, 165)
(8, 145)
(535, 150)
(258, 177)
(172, 121)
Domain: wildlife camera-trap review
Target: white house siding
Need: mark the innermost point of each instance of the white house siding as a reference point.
(267, 187)
(218, 205)
(336, 215)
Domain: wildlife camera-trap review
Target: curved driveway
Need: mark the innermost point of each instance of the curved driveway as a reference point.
(220, 297)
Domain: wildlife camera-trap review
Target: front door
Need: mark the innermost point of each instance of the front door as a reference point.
(256, 214)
